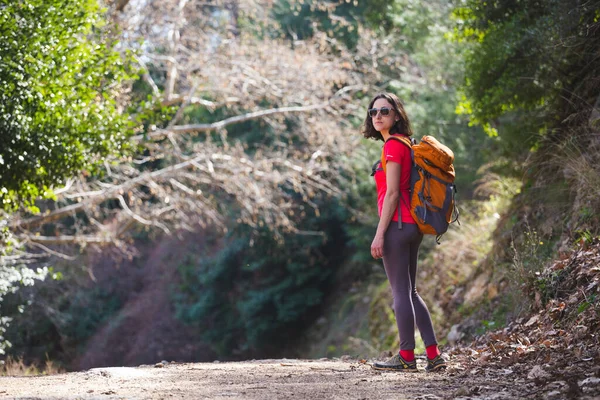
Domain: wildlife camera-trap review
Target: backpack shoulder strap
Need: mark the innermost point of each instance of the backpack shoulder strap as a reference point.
(402, 139)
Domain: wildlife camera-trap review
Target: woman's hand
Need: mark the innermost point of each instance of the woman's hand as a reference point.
(377, 247)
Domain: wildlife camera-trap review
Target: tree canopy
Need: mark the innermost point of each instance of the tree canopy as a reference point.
(528, 62)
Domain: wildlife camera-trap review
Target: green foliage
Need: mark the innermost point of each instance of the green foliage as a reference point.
(55, 318)
(525, 54)
(412, 21)
(299, 19)
(591, 301)
(382, 321)
(58, 78)
(256, 293)
(415, 23)
(13, 275)
(86, 311)
(430, 91)
(530, 251)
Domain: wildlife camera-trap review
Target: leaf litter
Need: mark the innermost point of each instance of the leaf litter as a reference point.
(553, 353)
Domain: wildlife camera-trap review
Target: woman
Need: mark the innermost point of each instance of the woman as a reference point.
(398, 244)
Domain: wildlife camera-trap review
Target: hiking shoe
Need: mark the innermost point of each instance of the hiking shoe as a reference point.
(437, 364)
(396, 363)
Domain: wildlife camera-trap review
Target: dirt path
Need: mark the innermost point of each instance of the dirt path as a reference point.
(145, 329)
(277, 379)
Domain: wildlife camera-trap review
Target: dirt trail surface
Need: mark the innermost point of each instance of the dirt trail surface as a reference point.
(277, 379)
(264, 379)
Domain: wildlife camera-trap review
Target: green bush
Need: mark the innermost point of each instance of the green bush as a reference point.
(87, 310)
(59, 319)
(258, 293)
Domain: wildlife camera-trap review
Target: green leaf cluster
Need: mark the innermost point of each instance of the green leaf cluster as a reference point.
(59, 74)
(301, 19)
(525, 55)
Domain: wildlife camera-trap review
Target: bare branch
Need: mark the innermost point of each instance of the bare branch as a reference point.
(148, 78)
(68, 239)
(171, 77)
(176, 99)
(65, 188)
(181, 186)
(139, 219)
(52, 252)
(185, 103)
(101, 196)
(228, 121)
(46, 218)
(174, 36)
(179, 183)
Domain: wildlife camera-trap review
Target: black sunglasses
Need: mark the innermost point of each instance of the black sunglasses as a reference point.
(383, 110)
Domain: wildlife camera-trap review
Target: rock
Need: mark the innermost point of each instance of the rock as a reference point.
(478, 289)
(385, 354)
(589, 385)
(554, 395)
(454, 335)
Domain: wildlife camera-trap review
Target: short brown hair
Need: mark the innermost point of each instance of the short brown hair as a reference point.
(401, 126)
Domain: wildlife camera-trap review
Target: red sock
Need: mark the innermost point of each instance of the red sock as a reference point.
(432, 351)
(408, 355)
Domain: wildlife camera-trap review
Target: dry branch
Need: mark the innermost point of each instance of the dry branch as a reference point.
(215, 126)
(68, 239)
(181, 183)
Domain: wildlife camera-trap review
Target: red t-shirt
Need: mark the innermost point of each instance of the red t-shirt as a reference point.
(394, 151)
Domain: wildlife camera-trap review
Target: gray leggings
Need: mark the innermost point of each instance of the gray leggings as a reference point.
(400, 253)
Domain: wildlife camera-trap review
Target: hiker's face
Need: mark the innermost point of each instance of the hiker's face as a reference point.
(381, 122)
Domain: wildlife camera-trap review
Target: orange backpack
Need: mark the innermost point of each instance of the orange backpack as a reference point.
(432, 188)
